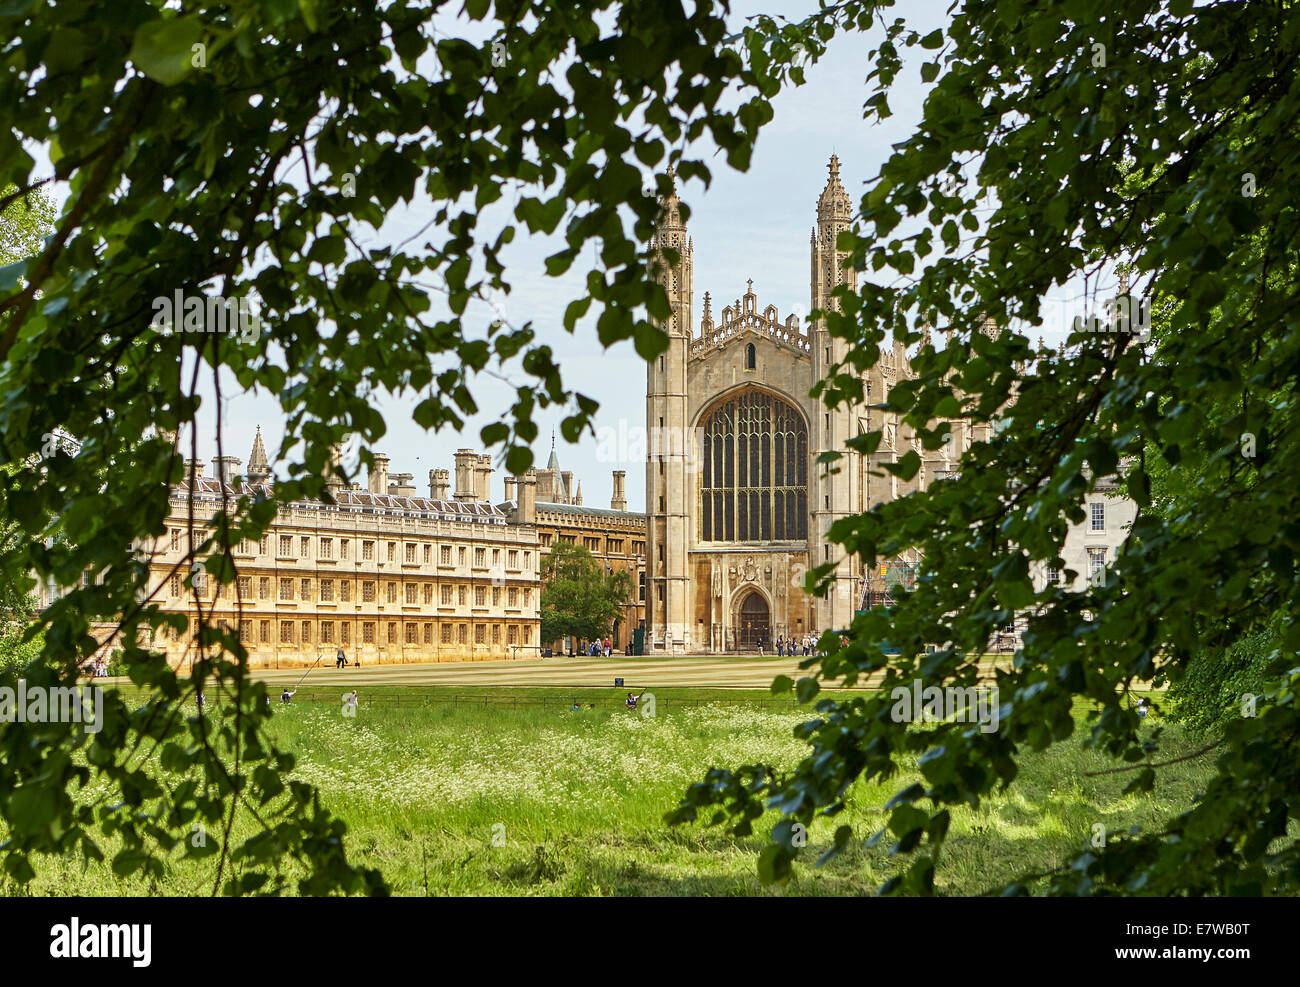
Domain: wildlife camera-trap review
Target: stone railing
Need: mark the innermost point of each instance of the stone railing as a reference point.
(736, 321)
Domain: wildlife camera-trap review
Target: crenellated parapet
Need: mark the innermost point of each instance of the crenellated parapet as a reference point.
(743, 316)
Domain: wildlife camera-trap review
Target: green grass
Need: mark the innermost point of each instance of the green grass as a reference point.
(577, 800)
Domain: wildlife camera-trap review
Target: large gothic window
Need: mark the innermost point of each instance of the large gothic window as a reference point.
(755, 480)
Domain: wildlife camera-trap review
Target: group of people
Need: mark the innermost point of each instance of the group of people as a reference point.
(99, 668)
(796, 646)
(595, 649)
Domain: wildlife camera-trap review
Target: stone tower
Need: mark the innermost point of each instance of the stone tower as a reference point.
(835, 492)
(668, 450)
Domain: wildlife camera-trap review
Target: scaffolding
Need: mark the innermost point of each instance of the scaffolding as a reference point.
(886, 582)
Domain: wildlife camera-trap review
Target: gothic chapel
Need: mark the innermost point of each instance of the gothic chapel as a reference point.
(737, 506)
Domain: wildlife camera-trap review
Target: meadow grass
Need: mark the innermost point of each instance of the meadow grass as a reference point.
(543, 800)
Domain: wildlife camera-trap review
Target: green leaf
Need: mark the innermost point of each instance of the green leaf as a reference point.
(11, 274)
(162, 49)
(774, 864)
(310, 16)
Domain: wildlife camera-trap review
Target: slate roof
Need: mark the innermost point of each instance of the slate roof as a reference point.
(360, 501)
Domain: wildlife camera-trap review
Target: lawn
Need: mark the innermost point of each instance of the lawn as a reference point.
(522, 795)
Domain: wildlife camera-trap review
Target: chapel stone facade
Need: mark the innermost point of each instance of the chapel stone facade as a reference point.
(738, 507)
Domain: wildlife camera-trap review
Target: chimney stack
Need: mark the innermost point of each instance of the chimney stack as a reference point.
(510, 487)
(401, 485)
(196, 467)
(224, 468)
(526, 506)
(546, 480)
(334, 480)
(618, 502)
(439, 485)
(379, 474)
(466, 460)
(483, 480)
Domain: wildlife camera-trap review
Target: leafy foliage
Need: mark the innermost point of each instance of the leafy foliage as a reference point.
(18, 649)
(579, 598)
(182, 177)
(18, 605)
(1056, 139)
(255, 148)
(1218, 683)
(24, 224)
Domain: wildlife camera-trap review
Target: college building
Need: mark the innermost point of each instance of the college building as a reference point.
(388, 575)
(738, 505)
(615, 537)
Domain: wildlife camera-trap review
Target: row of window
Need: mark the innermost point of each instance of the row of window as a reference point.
(411, 632)
(412, 592)
(613, 546)
(413, 553)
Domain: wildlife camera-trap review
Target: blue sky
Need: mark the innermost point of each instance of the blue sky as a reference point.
(746, 225)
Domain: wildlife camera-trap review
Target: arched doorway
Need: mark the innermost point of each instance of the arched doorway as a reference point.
(753, 625)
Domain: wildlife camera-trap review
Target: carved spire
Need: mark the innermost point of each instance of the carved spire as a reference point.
(834, 216)
(670, 217)
(258, 467)
(834, 205)
(554, 462)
